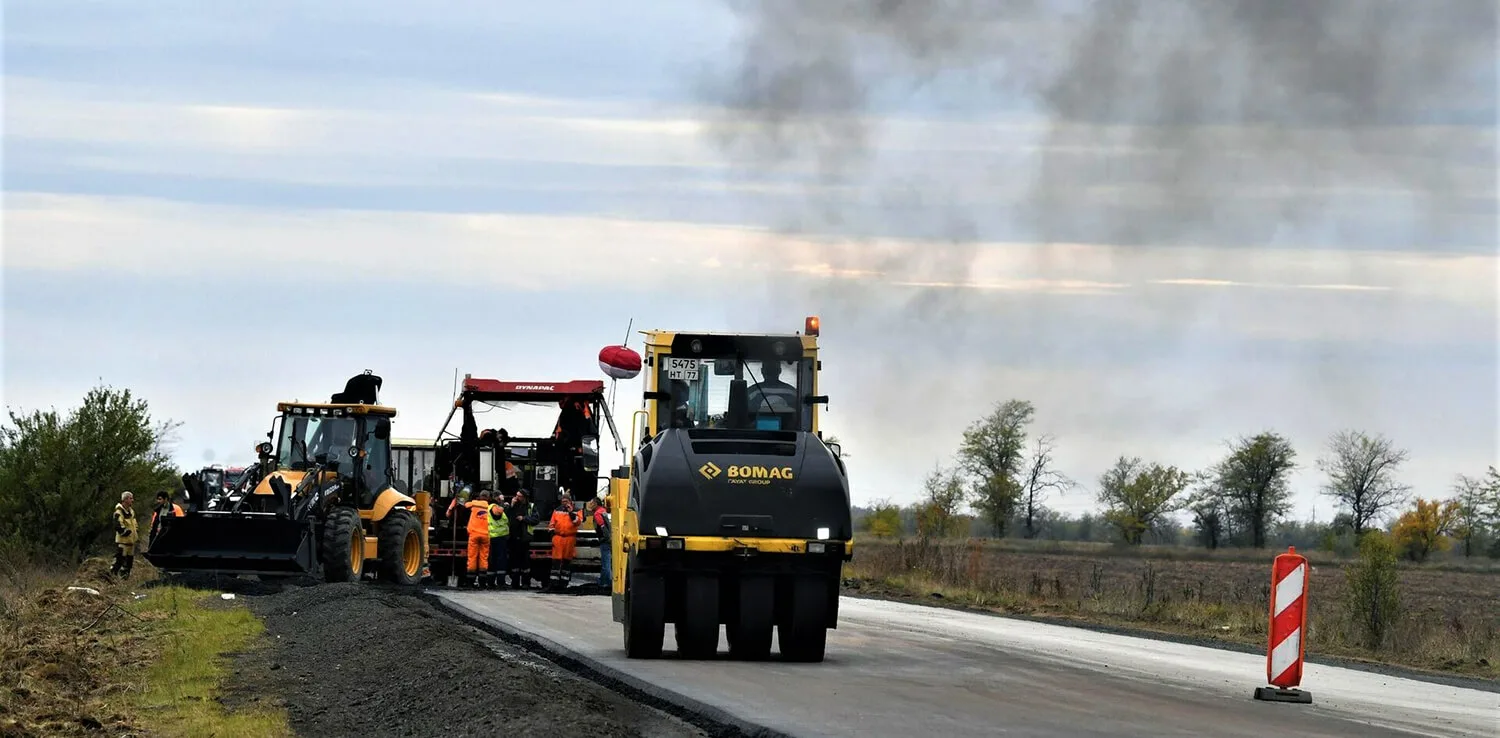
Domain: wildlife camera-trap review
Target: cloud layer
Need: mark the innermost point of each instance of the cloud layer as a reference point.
(503, 190)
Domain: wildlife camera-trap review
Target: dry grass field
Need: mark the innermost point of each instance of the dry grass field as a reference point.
(1449, 621)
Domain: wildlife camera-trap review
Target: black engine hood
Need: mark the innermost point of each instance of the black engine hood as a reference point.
(715, 482)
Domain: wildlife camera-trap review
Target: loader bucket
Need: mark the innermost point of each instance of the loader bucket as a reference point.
(235, 543)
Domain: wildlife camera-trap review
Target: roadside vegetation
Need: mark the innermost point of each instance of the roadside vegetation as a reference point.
(1397, 577)
(1433, 619)
(80, 652)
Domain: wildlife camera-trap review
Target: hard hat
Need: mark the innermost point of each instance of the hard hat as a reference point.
(603, 495)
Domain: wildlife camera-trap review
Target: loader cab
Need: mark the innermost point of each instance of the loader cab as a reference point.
(212, 478)
(732, 382)
(351, 441)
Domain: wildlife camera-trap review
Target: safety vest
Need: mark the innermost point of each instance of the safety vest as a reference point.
(582, 408)
(601, 522)
(499, 522)
(176, 513)
(479, 518)
(124, 524)
(565, 523)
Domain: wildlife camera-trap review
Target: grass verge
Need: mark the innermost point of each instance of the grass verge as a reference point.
(83, 655)
(193, 633)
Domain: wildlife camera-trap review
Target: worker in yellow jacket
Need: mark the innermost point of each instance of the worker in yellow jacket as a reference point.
(125, 536)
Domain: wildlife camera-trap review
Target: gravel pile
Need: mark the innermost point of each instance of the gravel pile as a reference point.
(357, 659)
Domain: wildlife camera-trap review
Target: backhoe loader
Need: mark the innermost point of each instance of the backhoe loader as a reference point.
(327, 506)
(732, 510)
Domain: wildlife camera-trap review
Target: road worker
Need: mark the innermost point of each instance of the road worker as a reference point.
(125, 536)
(479, 536)
(499, 545)
(522, 523)
(164, 504)
(565, 522)
(575, 423)
(600, 512)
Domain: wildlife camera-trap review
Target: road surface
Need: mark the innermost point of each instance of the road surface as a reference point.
(904, 670)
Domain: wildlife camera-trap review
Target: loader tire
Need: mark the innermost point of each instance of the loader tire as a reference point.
(343, 546)
(749, 632)
(804, 636)
(400, 548)
(645, 615)
(698, 628)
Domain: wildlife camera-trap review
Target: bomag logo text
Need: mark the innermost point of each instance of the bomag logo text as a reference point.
(756, 474)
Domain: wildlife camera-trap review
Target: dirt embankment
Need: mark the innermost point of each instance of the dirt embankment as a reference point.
(68, 656)
(355, 659)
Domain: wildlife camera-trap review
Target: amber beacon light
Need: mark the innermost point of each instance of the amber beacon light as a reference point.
(812, 325)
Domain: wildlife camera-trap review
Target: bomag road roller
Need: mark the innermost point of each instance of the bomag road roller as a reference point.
(327, 505)
(732, 510)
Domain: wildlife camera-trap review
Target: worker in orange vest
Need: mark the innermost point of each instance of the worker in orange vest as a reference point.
(565, 522)
(157, 519)
(479, 536)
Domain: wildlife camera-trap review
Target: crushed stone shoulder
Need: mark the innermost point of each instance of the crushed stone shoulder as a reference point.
(357, 659)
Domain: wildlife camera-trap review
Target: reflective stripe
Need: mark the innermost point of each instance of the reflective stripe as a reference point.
(1284, 656)
(499, 522)
(1289, 589)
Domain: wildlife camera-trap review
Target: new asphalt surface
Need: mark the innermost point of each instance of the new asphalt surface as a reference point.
(895, 669)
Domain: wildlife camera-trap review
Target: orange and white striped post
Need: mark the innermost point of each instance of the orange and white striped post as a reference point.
(1287, 642)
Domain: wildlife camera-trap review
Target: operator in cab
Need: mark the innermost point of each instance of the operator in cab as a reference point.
(771, 394)
(682, 410)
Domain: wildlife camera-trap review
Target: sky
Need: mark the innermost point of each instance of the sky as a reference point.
(1165, 226)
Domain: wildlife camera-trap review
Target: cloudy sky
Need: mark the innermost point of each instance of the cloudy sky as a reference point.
(1163, 225)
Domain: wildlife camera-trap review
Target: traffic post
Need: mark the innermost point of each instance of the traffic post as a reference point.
(1286, 646)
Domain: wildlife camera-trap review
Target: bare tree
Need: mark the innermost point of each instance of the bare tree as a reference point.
(1253, 481)
(1039, 480)
(1210, 510)
(1361, 475)
(1478, 510)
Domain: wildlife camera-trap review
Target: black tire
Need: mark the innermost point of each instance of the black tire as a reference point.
(805, 634)
(749, 633)
(340, 532)
(645, 615)
(400, 548)
(698, 627)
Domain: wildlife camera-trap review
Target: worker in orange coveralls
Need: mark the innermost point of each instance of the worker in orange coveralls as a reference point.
(565, 522)
(479, 536)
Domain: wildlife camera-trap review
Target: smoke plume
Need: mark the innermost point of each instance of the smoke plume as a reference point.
(1208, 126)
